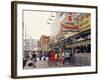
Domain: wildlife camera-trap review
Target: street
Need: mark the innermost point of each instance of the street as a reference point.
(44, 64)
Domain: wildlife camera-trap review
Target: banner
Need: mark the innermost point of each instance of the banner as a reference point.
(69, 27)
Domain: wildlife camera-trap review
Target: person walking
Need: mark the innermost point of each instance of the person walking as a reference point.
(44, 56)
(60, 58)
(56, 59)
(40, 55)
(49, 55)
(66, 57)
(34, 59)
(52, 58)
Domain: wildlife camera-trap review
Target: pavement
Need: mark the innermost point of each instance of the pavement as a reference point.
(44, 64)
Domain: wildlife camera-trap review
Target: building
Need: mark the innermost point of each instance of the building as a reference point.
(30, 44)
(78, 40)
(43, 43)
(82, 33)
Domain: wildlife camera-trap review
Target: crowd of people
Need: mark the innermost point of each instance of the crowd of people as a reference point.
(53, 57)
(60, 57)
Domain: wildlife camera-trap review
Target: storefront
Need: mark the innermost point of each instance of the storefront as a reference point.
(80, 43)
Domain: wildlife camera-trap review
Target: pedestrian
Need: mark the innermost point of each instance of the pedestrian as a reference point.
(66, 56)
(24, 62)
(34, 59)
(60, 58)
(56, 58)
(49, 55)
(44, 56)
(40, 55)
(27, 56)
(52, 58)
(72, 57)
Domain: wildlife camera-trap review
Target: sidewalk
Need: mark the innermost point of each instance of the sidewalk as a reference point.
(44, 64)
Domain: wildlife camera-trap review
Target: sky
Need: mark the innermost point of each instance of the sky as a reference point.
(35, 24)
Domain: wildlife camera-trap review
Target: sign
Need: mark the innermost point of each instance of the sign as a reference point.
(70, 17)
(68, 24)
(69, 27)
